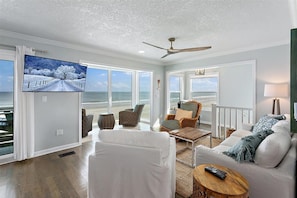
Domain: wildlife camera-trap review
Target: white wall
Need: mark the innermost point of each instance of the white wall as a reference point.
(272, 66)
(56, 111)
(237, 85)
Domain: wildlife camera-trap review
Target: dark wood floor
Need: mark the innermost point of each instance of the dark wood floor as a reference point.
(48, 176)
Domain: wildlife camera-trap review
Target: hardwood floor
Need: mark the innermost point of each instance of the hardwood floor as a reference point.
(48, 176)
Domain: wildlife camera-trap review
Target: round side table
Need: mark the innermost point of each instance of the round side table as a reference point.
(207, 185)
(106, 121)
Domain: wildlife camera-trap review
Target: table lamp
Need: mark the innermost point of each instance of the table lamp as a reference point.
(276, 91)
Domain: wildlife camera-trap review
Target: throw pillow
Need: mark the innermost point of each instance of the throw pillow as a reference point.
(180, 113)
(282, 126)
(272, 150)
(278, 117)
(264, 123)
(245, 149)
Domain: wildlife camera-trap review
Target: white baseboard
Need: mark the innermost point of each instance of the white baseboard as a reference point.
(56, 149)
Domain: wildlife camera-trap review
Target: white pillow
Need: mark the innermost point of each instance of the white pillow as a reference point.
(180, 113)
(272, 150)
(282, 126)
(149, 139)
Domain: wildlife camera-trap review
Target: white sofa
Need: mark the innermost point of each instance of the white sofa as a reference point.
(272, 174)
(132, 164)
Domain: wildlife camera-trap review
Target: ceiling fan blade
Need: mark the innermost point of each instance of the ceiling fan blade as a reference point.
(193, 49)
(154, 45)
(165, 55)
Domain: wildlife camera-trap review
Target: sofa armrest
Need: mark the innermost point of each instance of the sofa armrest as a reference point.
(281, 182)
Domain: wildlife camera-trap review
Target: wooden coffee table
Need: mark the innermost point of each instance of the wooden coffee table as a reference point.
(190, 135)
(207, 185)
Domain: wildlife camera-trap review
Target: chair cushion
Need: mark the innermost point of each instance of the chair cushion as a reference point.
(171, 124)
(245, 149)
(272, 149)
(148, 139)
(180, 113)
(189, 106)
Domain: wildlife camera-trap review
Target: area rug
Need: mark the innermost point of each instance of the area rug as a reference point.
(184, 173)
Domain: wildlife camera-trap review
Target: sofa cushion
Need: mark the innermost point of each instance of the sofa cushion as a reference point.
(282, 126)
(231, 141)
(149, 139)
(264, 123)
(241, 133)
(245, 149)
(272, 149)
(180, 113)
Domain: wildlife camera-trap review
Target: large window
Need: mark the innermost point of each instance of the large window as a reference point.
(121, 88)
(144, 93)
(6, 106)
(113, 90)
(204, 89)
(175, 90)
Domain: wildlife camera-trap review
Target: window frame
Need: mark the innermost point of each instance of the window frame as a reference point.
(216, 75)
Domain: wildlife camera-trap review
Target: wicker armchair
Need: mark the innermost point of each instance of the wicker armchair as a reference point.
(87, 121)
(131, 117)
(170, 123)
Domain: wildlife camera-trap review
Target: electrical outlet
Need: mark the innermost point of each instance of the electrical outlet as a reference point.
(60, 132)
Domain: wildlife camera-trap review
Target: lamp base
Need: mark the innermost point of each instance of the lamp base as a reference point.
(276, 106)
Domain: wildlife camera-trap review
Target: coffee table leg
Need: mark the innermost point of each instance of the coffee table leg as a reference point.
(192, 154)
(210, 141)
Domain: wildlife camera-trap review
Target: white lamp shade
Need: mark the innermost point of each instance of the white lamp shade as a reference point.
(276, 90)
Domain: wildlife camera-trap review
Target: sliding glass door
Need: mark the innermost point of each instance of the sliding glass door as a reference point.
(6, 106)
(121, 88)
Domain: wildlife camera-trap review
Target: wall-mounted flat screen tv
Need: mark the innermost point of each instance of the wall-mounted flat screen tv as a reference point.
(51, 75)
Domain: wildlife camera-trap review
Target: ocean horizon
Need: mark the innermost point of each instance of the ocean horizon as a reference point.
(6, 98)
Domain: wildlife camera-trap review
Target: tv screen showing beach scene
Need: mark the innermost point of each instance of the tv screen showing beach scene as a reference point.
(51, 75)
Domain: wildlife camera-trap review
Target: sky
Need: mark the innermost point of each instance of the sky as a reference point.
(203, 84)
(6, 76)
(97, 80)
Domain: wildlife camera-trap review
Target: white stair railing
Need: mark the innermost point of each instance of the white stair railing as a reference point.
(224, 118)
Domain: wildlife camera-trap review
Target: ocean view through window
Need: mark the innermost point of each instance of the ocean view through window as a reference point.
(175, 90)
(111, 90)
(204, 89)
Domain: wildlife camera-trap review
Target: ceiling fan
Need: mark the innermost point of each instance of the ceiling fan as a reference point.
(171, 50)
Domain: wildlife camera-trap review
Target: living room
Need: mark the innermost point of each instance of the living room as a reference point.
(272, 66)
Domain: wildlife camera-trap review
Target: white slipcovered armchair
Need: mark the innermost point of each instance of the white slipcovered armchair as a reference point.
(132, 164)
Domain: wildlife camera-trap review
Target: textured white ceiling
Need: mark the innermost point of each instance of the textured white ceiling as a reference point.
(122, 25)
